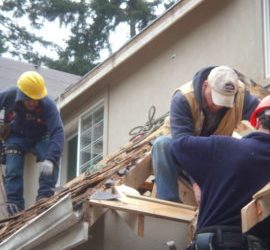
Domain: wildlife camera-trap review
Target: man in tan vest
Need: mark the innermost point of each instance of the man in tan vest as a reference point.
(213, 103)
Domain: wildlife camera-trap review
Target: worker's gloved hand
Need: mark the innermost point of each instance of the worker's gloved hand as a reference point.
(45, 167)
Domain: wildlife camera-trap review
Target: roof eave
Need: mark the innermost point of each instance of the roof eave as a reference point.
(56, 219)
(128, 50)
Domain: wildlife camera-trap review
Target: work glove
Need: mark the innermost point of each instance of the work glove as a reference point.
(45, 167)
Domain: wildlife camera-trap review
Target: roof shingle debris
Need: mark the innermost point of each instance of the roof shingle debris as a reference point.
(82, 187)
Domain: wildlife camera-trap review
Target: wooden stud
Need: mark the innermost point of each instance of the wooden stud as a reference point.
(140, 225)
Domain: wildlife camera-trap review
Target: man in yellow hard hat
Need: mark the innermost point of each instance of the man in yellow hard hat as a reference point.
(35, 126)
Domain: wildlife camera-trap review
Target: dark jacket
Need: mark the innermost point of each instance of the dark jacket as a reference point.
(44, 120)
(228, 170)
(180, 113)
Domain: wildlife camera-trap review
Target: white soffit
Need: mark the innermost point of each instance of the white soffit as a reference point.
(134, 45)
(53, 221)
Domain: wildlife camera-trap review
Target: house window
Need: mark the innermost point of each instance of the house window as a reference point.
(91, 139)
(266, 6)
(72, 144)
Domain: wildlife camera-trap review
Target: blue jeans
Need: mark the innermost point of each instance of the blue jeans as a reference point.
(166, 170)
(16, 148)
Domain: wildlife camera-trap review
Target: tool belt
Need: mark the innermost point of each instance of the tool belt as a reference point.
(225, 238)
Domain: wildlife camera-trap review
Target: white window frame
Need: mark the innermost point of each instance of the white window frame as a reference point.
(266, 13)
(70, 137)
(92, 109)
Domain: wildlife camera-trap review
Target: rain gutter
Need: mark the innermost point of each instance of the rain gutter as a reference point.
(51, 222)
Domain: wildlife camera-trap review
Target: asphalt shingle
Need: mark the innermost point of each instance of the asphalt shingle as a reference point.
(56, 81)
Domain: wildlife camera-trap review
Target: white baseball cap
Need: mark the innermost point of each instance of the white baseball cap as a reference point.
(224, 85)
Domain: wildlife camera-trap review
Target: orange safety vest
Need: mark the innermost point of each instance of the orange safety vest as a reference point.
(229, 121)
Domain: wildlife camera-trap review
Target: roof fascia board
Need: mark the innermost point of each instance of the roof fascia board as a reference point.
(131, 47)
(57, 218)
(68, 239)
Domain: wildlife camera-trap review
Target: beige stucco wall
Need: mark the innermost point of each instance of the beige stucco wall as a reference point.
(111, 232)
(217, 32)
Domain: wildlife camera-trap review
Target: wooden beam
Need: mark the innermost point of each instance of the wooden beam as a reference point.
(164, 202)
(137, 175)
(256, 211)
(147, 186)
(150, 207)
(140, 225)
(186, 192)
(154, 191)
(249, 216)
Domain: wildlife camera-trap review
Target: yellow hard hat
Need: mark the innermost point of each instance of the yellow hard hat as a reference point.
(32, 84)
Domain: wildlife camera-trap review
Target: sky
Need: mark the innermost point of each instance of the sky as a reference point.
(52, 32)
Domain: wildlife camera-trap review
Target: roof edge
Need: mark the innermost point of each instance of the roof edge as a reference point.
(52, 221)
(129, 49)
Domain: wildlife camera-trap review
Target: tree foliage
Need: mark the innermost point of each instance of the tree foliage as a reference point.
(91, 23)
(16, 39)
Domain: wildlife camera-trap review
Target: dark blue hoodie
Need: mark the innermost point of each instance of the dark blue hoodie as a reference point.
(228, 170)
(181, 116)
(44, 120)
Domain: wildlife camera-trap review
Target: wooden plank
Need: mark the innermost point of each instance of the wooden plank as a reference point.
(263, 207)
(257, 210)
(164, 202)
(136, 176)
(186, 192)
(146, 206)
(249, 216)
(147, 186)
(140, 225)
(264, 191)
(154, 191)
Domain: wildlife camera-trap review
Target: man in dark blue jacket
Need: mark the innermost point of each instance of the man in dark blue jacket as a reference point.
(35, 126)
(229, 171)
(214, 102)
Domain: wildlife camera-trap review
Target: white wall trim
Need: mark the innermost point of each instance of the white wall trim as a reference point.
(266, 15)
(94, 106)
